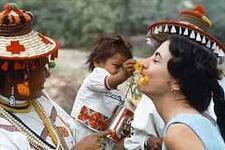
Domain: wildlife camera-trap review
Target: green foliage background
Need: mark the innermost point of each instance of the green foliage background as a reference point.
(76, 22)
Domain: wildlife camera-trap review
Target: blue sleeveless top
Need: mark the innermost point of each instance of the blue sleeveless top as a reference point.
(206, 130)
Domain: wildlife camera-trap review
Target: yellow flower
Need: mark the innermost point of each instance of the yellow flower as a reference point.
(143, 80)
(138, 66)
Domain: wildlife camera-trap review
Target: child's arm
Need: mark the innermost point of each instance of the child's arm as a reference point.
(125, 72)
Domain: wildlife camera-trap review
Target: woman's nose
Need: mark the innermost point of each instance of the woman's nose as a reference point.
(145, 64)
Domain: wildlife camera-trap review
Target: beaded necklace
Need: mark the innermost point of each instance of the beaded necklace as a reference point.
(22, 107)
(32, 137)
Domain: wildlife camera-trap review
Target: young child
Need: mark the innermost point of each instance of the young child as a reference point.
(110, 64)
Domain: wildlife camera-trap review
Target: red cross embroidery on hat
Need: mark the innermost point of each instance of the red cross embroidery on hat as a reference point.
(15, 47)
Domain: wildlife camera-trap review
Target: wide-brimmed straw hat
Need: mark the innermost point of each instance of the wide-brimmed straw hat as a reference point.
(18, 41)
(193, 24)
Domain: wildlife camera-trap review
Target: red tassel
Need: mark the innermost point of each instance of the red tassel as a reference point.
(56, 54)
(52, 57)
(4, 66)
(33, 66)
(18, 66)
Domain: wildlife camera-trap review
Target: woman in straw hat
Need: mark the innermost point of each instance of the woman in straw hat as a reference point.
(29, 119)
(183, 78)
(145, 134)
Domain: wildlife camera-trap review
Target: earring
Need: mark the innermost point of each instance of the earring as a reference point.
(173, 90)
(12, 100)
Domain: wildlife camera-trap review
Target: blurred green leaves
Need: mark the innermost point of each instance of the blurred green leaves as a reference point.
(76, 22)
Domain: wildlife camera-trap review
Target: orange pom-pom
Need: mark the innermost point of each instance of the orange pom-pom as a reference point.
(200, 9)
(23, 89)
(1, 18)
(27, 17)
(4, 66)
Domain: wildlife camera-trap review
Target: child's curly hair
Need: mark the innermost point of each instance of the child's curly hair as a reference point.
(107, 46)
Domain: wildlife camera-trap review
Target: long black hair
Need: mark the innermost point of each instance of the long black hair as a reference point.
(195, 68)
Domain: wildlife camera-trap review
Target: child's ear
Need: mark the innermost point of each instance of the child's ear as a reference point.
(97, 63)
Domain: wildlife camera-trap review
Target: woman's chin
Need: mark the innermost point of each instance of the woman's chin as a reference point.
(142, 88)
(145, 90)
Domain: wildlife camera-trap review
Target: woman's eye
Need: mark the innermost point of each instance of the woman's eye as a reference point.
(155, 60)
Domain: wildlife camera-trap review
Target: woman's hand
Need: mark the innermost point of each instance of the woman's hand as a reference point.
(92, 142)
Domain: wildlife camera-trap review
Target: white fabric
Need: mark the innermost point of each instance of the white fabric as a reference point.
(13, 141)
(146, 121)
(147, 114)
(94, 94)
(33, 121)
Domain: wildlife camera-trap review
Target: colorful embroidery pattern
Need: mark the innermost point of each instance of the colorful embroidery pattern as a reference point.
(93, 119)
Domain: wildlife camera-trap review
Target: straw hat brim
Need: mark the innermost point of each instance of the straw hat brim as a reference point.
(27, 47)
(161, 29)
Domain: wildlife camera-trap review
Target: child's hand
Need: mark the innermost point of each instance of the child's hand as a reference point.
(128, 67)
(122, 75)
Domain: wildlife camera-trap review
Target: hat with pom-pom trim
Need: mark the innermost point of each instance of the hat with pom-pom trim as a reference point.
(193, 24)
(18, 41)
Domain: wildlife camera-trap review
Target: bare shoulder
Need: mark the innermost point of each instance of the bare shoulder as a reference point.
(181, 137)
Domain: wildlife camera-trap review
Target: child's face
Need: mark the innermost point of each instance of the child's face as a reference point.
(113, 64)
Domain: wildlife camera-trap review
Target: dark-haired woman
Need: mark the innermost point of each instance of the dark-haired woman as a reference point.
(183, 77)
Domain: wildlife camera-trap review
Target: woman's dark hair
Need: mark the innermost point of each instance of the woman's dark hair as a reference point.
(106, 46)
(195, 68)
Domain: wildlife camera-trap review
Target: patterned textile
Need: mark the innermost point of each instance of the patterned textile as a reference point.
(93, 119)
(32, 120)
